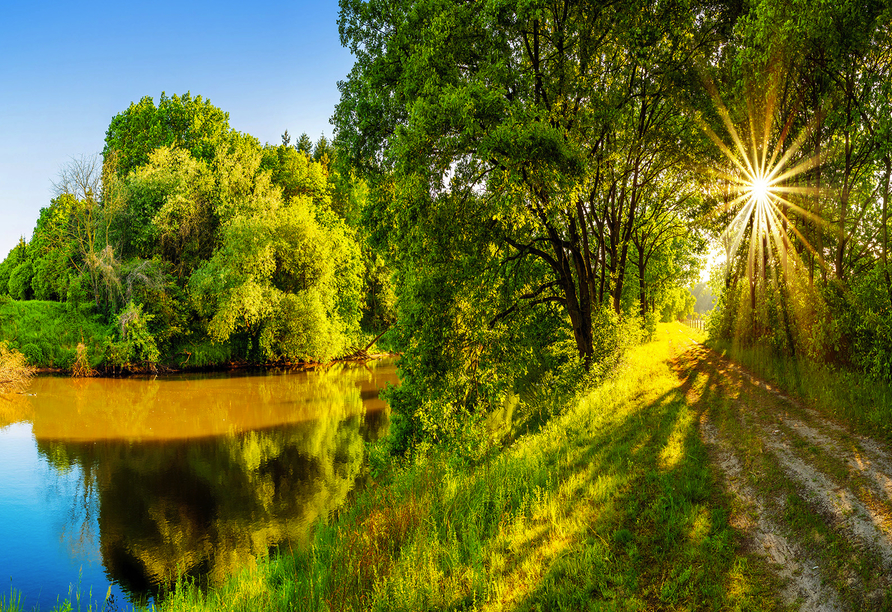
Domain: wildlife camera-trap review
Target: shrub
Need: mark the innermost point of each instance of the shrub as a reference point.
(136, 346)
(15, 373)
(33, 353)
(81, 367)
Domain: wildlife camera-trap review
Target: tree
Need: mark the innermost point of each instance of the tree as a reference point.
(193, 124)
(16, 255)
(169, 210)
(80, 177)
(287, 270)
(53, 250)
(562, 114)
(304, 144)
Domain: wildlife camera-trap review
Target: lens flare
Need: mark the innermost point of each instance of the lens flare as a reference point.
(760, 189)
(765, 187)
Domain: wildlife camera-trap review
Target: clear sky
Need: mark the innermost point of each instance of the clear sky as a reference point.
(67, 68)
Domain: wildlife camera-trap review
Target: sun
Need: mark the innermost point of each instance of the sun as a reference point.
(757, 187)
(760, 189)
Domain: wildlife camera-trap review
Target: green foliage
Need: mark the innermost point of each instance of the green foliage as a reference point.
(192, 124)
(287, 273)
(16, 256)
(135, 346)
(20, 281)
(53, 330)
(295, 173)
(169, 210)
(200, 230)
(514, 154)
(33, 353)
(677, 305)
(52, 249)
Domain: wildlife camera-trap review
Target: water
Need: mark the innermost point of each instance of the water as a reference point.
(114, 486)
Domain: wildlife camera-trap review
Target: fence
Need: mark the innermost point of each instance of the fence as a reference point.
(696, 323)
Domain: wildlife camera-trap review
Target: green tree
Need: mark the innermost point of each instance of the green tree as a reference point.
(169, 210)
(193, 124)
(287, 271)
(20, 281)
(16, 255)
(53, 250)
(304, 144)
(563, 114)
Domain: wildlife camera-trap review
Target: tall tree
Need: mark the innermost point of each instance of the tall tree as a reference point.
(193, 124)
(561, 113)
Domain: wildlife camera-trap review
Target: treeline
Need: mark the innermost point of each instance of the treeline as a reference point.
(543, 177)
(536, 180)
(189, 243)
(814, 81)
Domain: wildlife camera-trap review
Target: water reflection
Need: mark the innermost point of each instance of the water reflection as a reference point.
(203, 476)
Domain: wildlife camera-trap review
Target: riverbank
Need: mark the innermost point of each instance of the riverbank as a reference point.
(613, 503)
(687, 481)
(49, 335)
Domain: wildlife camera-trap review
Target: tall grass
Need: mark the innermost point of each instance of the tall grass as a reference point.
(844, 394)
(47, 333)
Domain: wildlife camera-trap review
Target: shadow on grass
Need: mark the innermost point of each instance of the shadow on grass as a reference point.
(661, 541)
(612, 506)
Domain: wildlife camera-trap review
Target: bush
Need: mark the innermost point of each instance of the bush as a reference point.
(34, 354)
(81, 366)
(136, 346)
(15, 373)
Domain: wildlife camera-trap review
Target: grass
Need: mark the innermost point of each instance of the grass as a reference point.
(611, 506)
(48, 334)
(840, 393)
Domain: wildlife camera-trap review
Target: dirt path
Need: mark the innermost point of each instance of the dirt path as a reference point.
(809, 496)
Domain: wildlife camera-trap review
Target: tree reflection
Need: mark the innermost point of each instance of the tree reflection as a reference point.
(14, 409)
(205, 507)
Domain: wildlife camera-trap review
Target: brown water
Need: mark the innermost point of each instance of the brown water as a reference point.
(124, 483)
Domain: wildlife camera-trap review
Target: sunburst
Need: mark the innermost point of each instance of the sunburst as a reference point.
(759, 178)
(761, 186)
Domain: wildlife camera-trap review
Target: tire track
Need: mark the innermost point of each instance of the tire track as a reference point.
(845, 479)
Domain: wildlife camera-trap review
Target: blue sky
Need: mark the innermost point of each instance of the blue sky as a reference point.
(67, 68)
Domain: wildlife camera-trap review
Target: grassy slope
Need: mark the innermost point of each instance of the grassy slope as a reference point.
(612, 506)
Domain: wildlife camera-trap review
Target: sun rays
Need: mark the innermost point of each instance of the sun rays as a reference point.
(763, 188)
(767, 189)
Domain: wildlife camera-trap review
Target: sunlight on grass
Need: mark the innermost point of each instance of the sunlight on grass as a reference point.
(674, 450)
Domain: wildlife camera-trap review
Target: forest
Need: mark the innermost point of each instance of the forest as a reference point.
(187, 243)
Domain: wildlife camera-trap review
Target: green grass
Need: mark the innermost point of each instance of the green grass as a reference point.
(843, 394)
(48, 333)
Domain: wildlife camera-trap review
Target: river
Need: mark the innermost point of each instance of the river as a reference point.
(112, 487)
